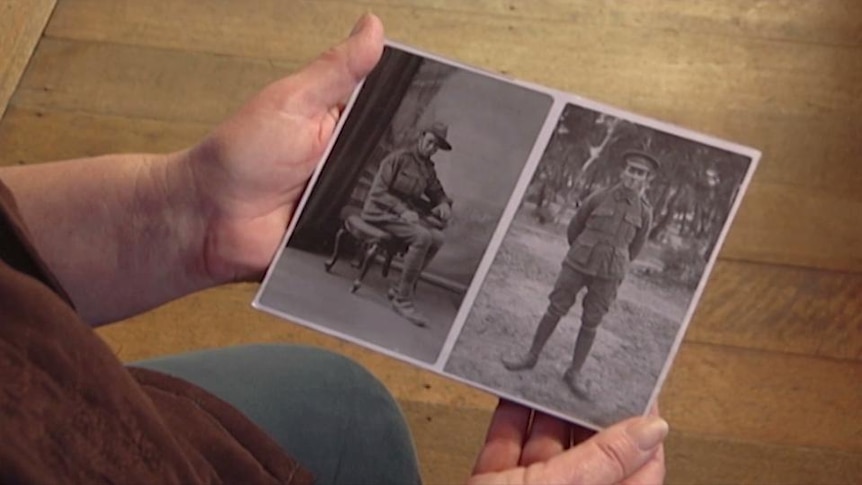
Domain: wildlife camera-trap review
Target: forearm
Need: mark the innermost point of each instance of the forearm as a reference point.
(640, 237)
(383, 181)
(121, 233)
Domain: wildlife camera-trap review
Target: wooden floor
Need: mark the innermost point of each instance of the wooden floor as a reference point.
(767, 387)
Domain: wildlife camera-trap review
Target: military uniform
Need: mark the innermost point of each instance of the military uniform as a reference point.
(605, 235)
(404, 177)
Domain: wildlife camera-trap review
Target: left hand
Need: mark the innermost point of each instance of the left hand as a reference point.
(442, 211)
(549, 450)
(249, 173)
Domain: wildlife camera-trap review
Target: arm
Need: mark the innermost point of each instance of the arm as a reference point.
(579, 221)
(379, 191)
(435, 193)
(641, 235)
(442, 204)
(124, 233)
(121, 232)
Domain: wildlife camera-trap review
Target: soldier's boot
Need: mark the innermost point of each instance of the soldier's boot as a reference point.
(402, 298)
(546, 327)
(572, 377)
(406, 309)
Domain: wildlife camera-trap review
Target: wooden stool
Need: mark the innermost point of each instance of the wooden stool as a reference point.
(372, 241)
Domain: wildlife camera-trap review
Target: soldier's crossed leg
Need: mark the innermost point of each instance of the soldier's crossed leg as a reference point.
(423, 243)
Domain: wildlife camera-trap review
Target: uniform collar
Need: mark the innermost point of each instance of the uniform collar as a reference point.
(624, 194)
(419, 156)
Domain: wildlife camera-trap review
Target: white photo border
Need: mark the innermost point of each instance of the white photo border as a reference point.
(560, 101)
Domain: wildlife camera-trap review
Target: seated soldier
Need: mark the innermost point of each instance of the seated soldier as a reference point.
(398, 203)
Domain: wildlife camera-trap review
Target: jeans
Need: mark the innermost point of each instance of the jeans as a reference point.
(326, 411)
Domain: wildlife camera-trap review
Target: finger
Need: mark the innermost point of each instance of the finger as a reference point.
(328, 80)
(549, 436)
(612, 455)
(651, 473)
(505, 438)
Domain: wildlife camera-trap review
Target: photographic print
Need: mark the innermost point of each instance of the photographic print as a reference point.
(589, 294)
(528, 242)
(390, 236)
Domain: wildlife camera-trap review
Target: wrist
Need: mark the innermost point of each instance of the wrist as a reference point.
(233, 236)
(185, 216)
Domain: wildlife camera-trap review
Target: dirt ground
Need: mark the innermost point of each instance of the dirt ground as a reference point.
(630, 350)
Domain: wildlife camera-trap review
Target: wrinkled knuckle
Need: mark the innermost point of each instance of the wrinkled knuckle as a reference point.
(333, 55)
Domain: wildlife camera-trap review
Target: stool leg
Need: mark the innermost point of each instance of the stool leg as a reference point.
(366, 263)
(329, 264)
(388, 263)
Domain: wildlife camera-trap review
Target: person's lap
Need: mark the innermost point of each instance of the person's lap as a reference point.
(325, 410)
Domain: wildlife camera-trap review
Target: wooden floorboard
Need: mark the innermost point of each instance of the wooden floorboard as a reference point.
(754, 306)
(695, 459)
(837, 22)
(803, 148)
(692, 458)
(21, 26)
(712, 389)
(781, 309)
(766, 385)
(37, 135)
(782, 219)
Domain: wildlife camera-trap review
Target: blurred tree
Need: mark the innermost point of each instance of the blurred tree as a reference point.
(692, 195)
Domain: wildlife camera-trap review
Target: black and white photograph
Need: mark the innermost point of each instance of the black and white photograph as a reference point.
(587, 299)
(397, 221)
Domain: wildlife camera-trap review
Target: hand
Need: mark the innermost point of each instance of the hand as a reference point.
(517, 452)
(410, 216)
(443, 211)
(249, 173)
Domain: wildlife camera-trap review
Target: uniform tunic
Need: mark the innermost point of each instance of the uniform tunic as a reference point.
(608, 232)
(403, 178)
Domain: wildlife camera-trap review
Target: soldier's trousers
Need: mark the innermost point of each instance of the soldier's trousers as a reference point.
(601, 293)
(423, 243)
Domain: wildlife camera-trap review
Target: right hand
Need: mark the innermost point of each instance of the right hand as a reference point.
(250, 172)
(410, 216)
(518, 451)
(443, 211)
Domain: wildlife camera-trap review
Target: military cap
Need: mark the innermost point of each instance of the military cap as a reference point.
(631, 155)
(439, 130)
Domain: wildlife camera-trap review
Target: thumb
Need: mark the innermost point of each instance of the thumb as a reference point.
(329, 79)
(610, 456)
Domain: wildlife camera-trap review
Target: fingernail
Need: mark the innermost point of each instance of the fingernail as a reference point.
(359, 24)
(648, 433)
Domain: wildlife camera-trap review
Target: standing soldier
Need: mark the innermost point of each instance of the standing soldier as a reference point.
(397, 203)
(605, 235)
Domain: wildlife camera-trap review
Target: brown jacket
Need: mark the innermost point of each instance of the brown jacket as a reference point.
(70, 412)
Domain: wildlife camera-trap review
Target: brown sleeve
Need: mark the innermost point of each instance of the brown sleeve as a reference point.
(17, 250)
(74, 414)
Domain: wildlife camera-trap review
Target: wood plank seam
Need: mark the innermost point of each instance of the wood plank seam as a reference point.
(4, 102)
(559, 20)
